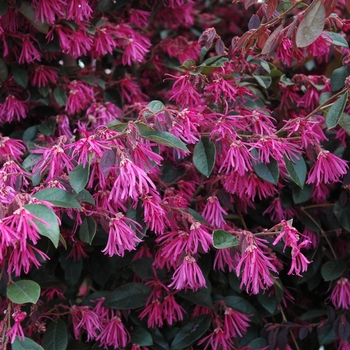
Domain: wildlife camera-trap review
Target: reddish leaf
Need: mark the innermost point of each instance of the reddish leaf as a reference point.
(347, 4)
(329, 6)
(248, 3)
(311, 26)
(271, 8)
(272, 41)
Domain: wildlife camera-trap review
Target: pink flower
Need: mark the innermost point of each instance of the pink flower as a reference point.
(278, 212)
(80, 96)
(341, 294)
(154, 214)
(213, 212)
(16, 330)
(84, 319)
(235, 323)
(43, 75)
(11, 149)
(121, 237)
(198, 237)
(13, 109)
(218, 339)
(47, 10)
(286, 52)
(172, 311)
(78, 10)
(154, 313)
(225, 258)
(114, 334)
(254, 266)
(29, 53)
(328, 168)
(299, 261)
(188, 275)
(139, 17)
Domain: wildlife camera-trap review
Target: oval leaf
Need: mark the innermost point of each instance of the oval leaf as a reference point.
(23, 291)
(343, 215)
(79, 177)
(20, 75)
(28, 11)
(87, 230)
(26, 344)
(141, 337)
(60, 96)
(191, 332)
(332, 270)
(269, 172)
(311, 26)
(56, 336)
(336, 111)
(3, 71)
(297, 170)
(58, 197)
(338, 77)
(335, 38)
(164, 138)
(204, 156)
(223, 239)
(51, 230)
(130, 296)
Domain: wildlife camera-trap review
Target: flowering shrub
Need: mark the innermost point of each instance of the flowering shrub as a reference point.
(174, 174)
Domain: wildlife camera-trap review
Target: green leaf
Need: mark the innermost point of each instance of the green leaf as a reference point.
(3, 7)
(153, 107)
(336, 111)
(20, 75)
(343, 215)
(164, 138)
(188, 64)
(23, 291)
(130, 296)
(204, 156)
(190, 332)
(267, 302)
(47, 128)
(301, 195)
(311, 26)
(141, 337)
(51, 230)
(79, 177)
(56, 336)
(240, 304)
(336, 39)
(28, 11)
(87, 230)
(26, 344)
(201, 297)
(60, 96)
(332, 270)
(58, 197)
(85, 196)
(326, 334)
(197, 216)
(309, 315)
(3, 71)
(223, 239)
(297, 170)
(269, 172)
(258, 343)
(94, 81)
(338, 77)
(263, 81)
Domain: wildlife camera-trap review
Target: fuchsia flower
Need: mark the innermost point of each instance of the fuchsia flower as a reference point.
(48, 10)
(218, 339)
(340, 296)
(17, 330)
(83, 318)
(80, 96)
(328, 168)
(43, 75)
(154, 214)
(188, 275)
(172, 311)
(154, 313)
(78, 10)
(254, 266)
(121, 236)
(29, 53)
(213, 212)
(235, 323)
(12, 109)
(225, 258)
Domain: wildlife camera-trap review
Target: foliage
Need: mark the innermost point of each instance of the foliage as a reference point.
(174, 174)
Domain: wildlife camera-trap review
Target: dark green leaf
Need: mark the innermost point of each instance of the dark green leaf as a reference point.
(223, 239)
(336, 39)
(269, 172)
(94, 81)
(130, 296)
(143, 267)
(297, 170)
(87, 230)
(58, 197)
(3, 71)
(60, 96)
(47, 128)
(29, 12)
(191, 332)
(164, 138)
(201, 297)
(51, 46)
(268, 303)
(336, 111)
(343, 215)
(79, 177)
(257, 344)
(141, 337)
(23, 291)
(338, 77)
(30, 133)
(20, 75)
(3, 7)
(26, 344)
(311, 26)
(263, 80)
(240, 304)
(188, 64)
(72, 269)
(301, 195)
(197, 216)
(85, 196)
(326, 334)
(309, 315)
(51, 230)
(204, 156)
(56, 336)
(332, 270)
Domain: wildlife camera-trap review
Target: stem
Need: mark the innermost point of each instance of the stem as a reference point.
(291, 333)
(323, 233)
(242, 220)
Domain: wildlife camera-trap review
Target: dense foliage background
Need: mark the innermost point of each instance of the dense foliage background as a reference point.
(174, 174)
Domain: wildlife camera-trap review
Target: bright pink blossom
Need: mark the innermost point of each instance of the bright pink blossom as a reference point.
(235, 323)
(218, 339)
(17, 330)
(84, 319)
(12, 109)
(213, 212)
(154, 313)
(341, 294)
